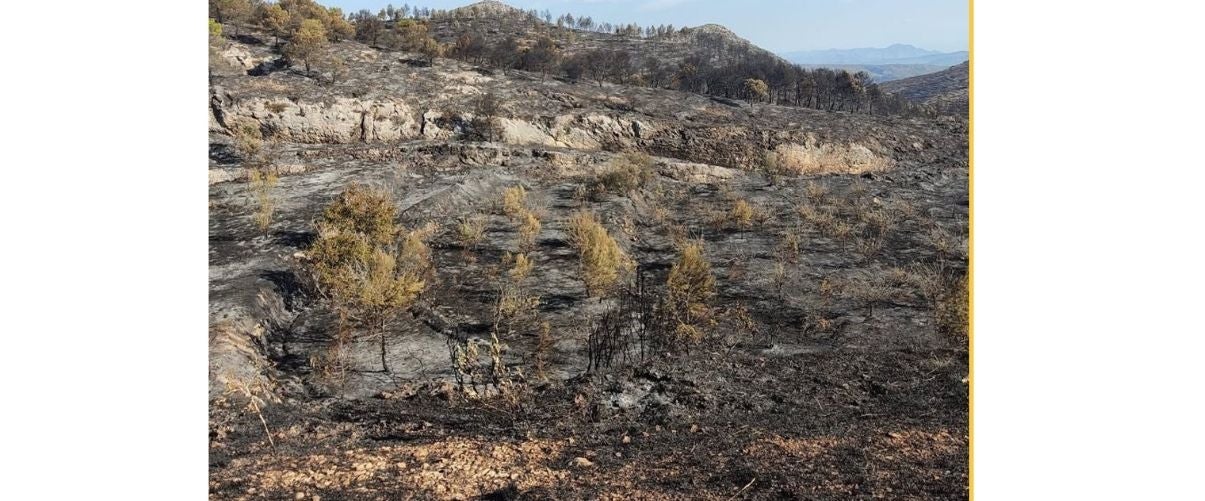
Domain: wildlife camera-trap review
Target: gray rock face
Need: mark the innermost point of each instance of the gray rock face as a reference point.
(388, 101)
(342, 120)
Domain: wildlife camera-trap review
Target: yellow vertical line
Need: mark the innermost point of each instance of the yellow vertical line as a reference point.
(971, 251)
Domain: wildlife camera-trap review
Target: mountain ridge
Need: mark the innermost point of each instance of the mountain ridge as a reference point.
(893, 54)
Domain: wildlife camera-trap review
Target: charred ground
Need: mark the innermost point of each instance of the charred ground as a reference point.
(830, 373)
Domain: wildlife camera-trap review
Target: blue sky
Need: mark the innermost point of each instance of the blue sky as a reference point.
(778, 25)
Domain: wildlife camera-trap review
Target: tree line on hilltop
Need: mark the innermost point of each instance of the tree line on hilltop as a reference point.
(714, 65)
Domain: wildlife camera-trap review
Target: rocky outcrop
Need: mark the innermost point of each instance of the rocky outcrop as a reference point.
(240, 56)
(339, 120)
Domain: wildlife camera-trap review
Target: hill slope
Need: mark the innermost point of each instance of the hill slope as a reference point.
(828, 342)
(496, 21)
(946, 90)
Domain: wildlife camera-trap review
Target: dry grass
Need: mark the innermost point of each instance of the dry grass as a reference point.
(602, 261)
(256, 395)
(690, 287)
(869, 288)
(822, 218)
(816, 192)
(626, 173)
(790, 247)
(945, 243)
(514, 201)
(742, 214)
(470, 231)
(261, 183)
(952, 309)
(520, 266)
(529, 229)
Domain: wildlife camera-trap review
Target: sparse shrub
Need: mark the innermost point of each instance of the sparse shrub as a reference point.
(947, 296)
(773, 167)
(661, 215)
(332, 69)
(841, 230)
(678, 234)
(512, 305)
(903, 208)
(880, 219)
(627, 225)
(602, 260)
(779, 277)
(742, 214)
(485, 122)
(877, 223)
(353, 260)
(248, 141)
(521, 266)
(857, 190)
(790, 245)
(465, 359)
(689, 287)
(261, 183)
(215, 31)
(944, 242)
(257, 394)
(816, 192)
(470, 231)
(627, 173)
(581, 194)
(529, 229)
(869, 247)
(952, 309)
(869, 290)
(515, 306)
(364, 211)
(823, 219)
(514, 200)
(276, 107)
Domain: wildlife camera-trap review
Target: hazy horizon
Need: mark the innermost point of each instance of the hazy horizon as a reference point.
(777, 25)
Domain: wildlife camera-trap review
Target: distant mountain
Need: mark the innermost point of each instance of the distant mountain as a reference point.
(892, 54)
(883, 72)
(946, 91)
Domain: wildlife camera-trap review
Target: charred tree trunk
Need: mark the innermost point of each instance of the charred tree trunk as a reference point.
(384, 363)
